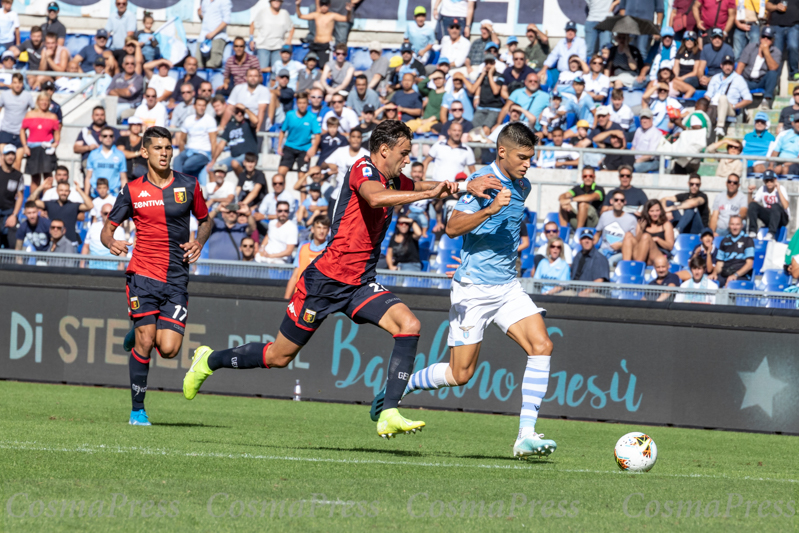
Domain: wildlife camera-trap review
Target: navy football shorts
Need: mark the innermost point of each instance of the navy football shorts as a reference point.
(154, 302)
(318, 296)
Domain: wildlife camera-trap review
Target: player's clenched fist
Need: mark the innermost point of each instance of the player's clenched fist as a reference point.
(502, 199)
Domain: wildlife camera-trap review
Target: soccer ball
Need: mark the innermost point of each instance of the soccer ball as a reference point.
(636, 452)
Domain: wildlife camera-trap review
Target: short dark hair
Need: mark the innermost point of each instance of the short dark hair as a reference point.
(302, 96)
(58, 220)
(617, 94)
(251, 157)
(733, 174)
(340, 47)
(108, 128)
(703, 102)
(51, 35)
(556, 129)
(693, 175)
(17, 76)
(36, 29)
(201, 99)
(517, 135)
(30, 204)
(390, 133)
(323, 221)
(626, 167)
(102, 181)
(218, 98)
(417, 164)
(283, 202)
(95, 108)
(697, 262)
(155, 132)
(361, 77)
(62, 167)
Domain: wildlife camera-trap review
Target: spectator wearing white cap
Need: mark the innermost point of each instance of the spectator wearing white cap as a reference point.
(219, 191)
(151, 111)
(270, 29)
(7, 63)
(479, 45)
(420, 33)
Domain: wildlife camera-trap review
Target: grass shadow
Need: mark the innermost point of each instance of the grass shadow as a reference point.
(188, 425)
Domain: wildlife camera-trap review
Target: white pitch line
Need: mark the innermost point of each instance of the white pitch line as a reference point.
(90, 448)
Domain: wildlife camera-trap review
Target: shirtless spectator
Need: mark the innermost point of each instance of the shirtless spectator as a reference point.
(325, 23)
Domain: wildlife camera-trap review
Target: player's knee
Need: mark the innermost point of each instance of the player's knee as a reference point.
(462, 375)
(410, 325)
(542, 346)
(281, 361)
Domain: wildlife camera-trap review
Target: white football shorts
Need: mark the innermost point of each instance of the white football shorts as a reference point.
(474, 307)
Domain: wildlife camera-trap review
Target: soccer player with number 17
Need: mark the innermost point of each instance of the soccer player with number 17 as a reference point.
(160, 203)
(343, 277)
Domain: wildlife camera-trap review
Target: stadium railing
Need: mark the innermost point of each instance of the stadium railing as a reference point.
(426, 280)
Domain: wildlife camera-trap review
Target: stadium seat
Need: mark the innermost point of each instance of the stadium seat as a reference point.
(682, 257)
(717, 241)
(774, 278)
(552, 217)
(532, 233)
(782, 237)
(299, 53)
(359, 57)
(532, 216)
(686, 241)
(743, 300)
(630, 268)
(629, 294)
(76, 43)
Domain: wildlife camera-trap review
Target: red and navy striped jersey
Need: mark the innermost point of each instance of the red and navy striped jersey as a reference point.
(358, 230)
(162, 218)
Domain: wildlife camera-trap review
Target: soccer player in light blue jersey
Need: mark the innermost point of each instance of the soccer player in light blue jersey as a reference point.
(485, 288)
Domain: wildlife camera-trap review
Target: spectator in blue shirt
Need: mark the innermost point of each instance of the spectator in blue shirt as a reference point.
(458, 92)
(530, 98)
(787, 146)
(555, 267)
(107, 162)
(421, 33)
(227, 234)
(757, 142)
(299, 138)
(736, 255)
(121, 25)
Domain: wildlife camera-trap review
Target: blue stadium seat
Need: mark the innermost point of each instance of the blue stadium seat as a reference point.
(76, 43)
(686, 241)
(774, 278)
(216, 79)
(681, 257)
(571, 120)
(783, 236)
(532, 233)
(630, 268)
(532, 216)
(717, 241)
(629, 294)
(299, 53)
(741, 300)
(359, 57)
(552, 217)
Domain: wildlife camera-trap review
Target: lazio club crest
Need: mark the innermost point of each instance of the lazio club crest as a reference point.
(309, 316)
(134, 303)
(180, 195)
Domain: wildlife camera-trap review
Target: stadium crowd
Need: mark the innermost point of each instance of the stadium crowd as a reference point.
(678, 91)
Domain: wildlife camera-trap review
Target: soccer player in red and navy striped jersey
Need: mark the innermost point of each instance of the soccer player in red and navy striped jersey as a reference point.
(343, 277)
(161, 204)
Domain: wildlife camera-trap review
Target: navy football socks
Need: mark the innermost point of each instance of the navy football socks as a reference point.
(246, 356)
(139, 367)
(400, 367)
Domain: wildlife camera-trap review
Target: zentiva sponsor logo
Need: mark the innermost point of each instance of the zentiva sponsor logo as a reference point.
(148, 203)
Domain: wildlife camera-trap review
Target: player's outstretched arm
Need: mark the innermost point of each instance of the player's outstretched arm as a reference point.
(377, 196)
(116, 247)
(461, 223)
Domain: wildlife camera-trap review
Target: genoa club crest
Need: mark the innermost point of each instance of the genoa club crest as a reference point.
(309, 316)
(180, 195)
(134, 303)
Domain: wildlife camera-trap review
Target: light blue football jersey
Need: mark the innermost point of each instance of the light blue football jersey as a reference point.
(489, 250)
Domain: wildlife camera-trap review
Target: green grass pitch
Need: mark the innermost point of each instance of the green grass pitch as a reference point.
(71, 462)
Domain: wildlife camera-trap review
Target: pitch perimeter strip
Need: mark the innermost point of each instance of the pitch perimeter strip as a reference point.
(88, 448)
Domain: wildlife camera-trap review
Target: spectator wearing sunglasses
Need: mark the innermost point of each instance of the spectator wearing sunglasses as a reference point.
(726, 205)
(552, 232)
(281, 239)
(554, 267)
(613, 226)
(634, 198)
(689, 211)
(760, 64)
